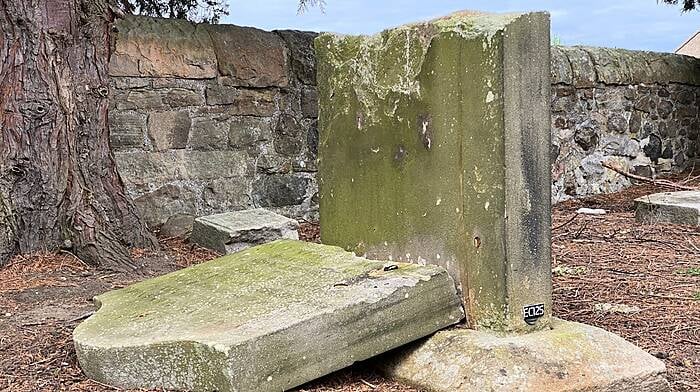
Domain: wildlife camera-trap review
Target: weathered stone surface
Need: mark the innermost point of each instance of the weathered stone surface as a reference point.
(127, 129)
(231, 232)
(309, 102)
(682, 208)
(142, 168)
(440, 154)
(243, 101)
(301, 53)
(261, 319)
(208, 134)
(582, 68)
(169, 200)
(227, 194)
(620, 95)
(250, 57)
(288, 136)
(163, 48)
(561, 67)
(280, 190)
(181, 97)
(140, 100)
(177, 225)
(569, 357)
(169, 130)
(248, 131)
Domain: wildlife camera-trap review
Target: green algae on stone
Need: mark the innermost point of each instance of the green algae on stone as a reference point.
(434, 149)
(265, 319)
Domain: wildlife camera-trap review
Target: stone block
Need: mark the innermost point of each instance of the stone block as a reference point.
(301, 54)
(227, 194)
(127, 129)
(269, 318)
(139, 168)
(125, 83)
(440, 154)
(309, 102)
(561, 67)
(566, 358)
(178, 225)
(246, 102)
(169, 130)
(140, 100)
(288, 136)
(162, 48)
(248, 131)
(232, 232)
(249, 57)
(681, 208)
(182, 97)
(280, 190)
(208, 134)
(158, 206)
(582, 67)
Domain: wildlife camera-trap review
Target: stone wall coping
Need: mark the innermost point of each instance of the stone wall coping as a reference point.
(586, 66)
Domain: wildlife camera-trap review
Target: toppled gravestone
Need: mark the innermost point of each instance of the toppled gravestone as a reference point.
(433, 149)
(682, 208)
(265, 319)
(234, 231)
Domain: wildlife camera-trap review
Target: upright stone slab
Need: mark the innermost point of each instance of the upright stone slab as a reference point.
(265, 319)
(434, 149)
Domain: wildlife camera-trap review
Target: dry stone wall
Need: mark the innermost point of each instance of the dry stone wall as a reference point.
(635, 110)
(213, 118)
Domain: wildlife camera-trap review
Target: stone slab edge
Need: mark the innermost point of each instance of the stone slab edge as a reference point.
(569, 357)
(656, 208)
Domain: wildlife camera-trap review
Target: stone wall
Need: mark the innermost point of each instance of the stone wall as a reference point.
(635, 110)
(211, 118)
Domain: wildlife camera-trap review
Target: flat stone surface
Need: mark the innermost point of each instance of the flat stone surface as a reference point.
(234, 231)
(568, 357)
(265, 319)
(681, 208)
(434, 144)
(162, 48)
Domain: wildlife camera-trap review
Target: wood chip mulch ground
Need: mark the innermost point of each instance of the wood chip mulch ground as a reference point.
(639, 281)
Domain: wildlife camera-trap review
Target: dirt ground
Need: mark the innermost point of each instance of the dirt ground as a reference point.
(596, 260)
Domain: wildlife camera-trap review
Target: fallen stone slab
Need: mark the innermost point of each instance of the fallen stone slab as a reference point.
(568, 357)
(234, 231)
(681, 208)
(268, 318)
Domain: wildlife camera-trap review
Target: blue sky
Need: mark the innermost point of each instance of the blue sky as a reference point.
(631, 24)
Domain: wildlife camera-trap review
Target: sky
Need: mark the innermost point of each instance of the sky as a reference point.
(630, 24)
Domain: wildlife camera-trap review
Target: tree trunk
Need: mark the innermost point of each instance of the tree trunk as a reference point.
(59, 186)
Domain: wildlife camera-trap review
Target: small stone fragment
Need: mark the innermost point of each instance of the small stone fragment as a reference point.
(591, 211)
(616, 308)
(234, 231)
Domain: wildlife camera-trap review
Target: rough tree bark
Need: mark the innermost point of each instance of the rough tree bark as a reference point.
(59, 186)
